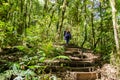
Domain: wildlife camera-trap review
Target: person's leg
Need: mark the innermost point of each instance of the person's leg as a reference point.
(67, 41)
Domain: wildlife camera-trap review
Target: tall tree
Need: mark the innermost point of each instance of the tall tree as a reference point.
(92, 23)
(85, 23)
(115, 25)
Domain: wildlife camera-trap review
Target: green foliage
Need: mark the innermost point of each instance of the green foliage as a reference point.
(16, 71)
(61, 57)
(15, 67)
(4, 7)
(7, 74)
(50, 50)
(33, 27)
(21, 48)
(27, 60)
(8, 37)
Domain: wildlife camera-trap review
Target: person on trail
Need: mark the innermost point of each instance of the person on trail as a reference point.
(67, 36)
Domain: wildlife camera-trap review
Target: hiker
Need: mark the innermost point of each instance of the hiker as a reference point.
(67, 36)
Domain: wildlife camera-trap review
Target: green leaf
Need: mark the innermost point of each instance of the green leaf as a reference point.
(15, 66)
(20, 47)
(41, 59)
(61, 57)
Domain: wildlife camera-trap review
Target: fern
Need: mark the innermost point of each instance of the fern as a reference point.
(61, 57)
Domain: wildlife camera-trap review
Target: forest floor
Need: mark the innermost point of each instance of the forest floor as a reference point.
(83, 64)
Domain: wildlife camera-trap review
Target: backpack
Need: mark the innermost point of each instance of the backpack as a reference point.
(67, 35)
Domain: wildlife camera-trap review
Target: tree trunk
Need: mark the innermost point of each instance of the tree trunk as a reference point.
(115, 28)
(63, 13)
(61, 19)
(21, 23)
(101, 26)
(45, 9)
(85, 26)
(92, 23)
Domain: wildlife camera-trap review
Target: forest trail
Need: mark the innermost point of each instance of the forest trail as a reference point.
(81, 66)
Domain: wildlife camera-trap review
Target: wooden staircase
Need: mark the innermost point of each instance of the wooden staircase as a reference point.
(81, 65)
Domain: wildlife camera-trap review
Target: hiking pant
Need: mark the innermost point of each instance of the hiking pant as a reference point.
(67, 41)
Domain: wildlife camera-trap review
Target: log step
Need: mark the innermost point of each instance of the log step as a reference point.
(82, 69)
(78, 63)
(69, 63)
(84, 75)
(72, 49)
(77, 69)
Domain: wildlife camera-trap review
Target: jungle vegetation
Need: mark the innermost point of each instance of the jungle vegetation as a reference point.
(33, 26)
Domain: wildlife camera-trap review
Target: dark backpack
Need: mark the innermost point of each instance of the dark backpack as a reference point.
(67, 35)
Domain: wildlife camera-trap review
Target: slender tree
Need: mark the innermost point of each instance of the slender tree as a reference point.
(85, 23)
(92, 23)
(115, 27)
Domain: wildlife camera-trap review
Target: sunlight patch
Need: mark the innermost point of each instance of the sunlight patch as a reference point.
(52, 1)
(42, 2)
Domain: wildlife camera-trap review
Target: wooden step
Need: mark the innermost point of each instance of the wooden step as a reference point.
(80, 63)
(68, 53)
(70, 46)
(84, 75)
(75, 69)
(84, 56)
(82, 69)
(72, 49)
(79, 58)
(69, 63)
(71, 53)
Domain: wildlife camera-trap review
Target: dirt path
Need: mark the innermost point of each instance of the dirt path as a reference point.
(81, 66)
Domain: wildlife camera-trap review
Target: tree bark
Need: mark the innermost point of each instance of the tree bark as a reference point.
(92, 23)
(85, 25)
(101, 25)
(63, 13)
(115, 28)
(21, 23)
(61, 19)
